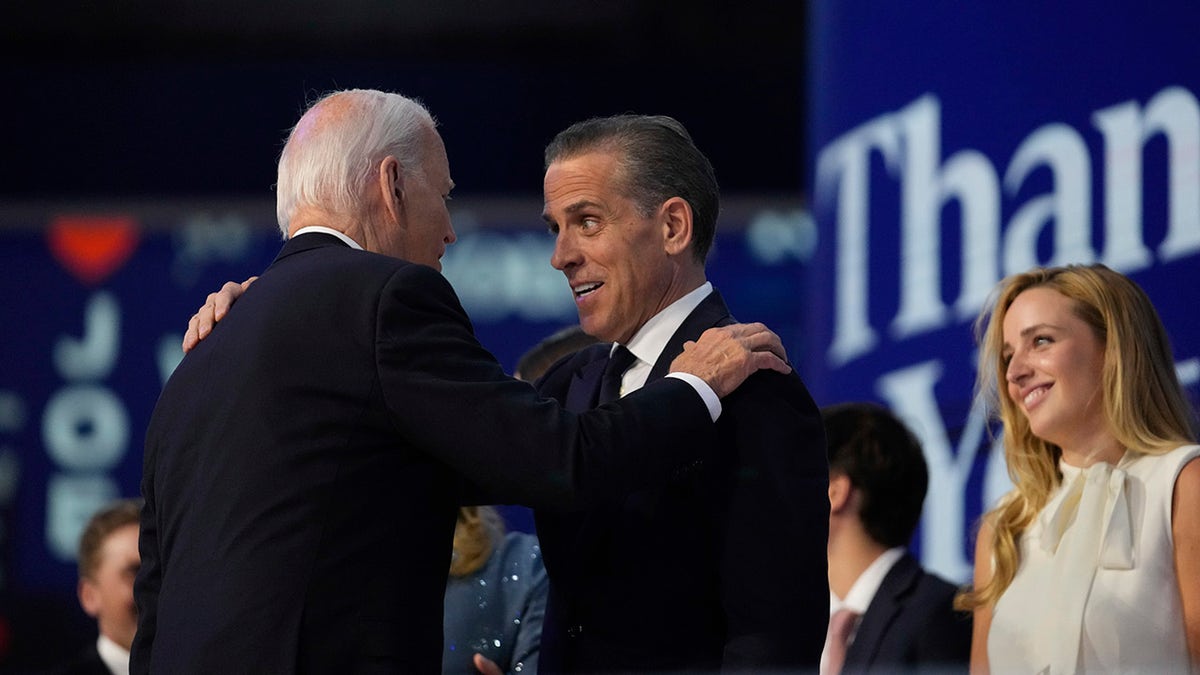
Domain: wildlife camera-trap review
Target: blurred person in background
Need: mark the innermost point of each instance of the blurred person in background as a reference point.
(887, 614)
(108, 563)
(495, 597)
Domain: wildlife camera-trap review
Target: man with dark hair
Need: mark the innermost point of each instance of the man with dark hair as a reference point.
(886, 613)
(108, 563)
(724, 568)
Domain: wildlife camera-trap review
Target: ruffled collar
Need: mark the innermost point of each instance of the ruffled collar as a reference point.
(1107, 505)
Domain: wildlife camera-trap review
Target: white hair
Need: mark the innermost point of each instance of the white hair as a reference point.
(328, 164)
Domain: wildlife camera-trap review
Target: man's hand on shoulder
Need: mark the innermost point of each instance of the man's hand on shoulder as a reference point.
(724, 357)
(213, 310)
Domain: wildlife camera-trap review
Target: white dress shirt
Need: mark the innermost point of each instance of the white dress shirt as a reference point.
(863, 591)
(648, 343)
(113, 655)
(328, 230)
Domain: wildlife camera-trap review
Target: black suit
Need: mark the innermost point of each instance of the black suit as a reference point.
(725, 566)
(304, 465)
(911, 626)
(87, 662)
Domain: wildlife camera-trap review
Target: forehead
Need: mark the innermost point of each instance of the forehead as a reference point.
(1039, 305)
(587, 174)
(433, 154)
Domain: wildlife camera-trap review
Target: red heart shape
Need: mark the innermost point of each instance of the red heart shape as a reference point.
(92, 247)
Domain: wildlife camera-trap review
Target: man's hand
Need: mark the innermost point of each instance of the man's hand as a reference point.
(724, 357)
(214, 309)
(486, 666)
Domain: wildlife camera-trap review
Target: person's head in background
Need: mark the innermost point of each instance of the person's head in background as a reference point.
(108, 563)
(877, 478)
(371, 165)
(633, 205)
(534, 362)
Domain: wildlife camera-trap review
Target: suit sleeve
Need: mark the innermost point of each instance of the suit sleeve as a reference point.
(149, 576)
(773, 559)
(449, 397)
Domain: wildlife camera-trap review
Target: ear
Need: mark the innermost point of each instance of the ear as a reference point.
(89, 597)
(840, 489)
(676, 215)
(391, 187)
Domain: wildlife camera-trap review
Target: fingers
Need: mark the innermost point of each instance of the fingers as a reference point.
(753, 337)
(192, 337)
(486, 666)
(223, 299)
(770, 361)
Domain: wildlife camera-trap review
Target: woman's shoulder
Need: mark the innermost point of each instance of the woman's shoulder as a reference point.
(519, 551)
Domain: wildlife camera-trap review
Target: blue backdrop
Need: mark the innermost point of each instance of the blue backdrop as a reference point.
(95, 308)
(955, 143)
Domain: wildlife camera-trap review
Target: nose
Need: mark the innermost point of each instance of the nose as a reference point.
(1017, 369)
(566, 254)
(450, 237)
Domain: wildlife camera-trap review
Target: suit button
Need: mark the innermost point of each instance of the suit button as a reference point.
(575, 631)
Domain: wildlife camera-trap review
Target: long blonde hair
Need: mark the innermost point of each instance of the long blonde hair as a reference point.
(478, 530)
(1145, 407)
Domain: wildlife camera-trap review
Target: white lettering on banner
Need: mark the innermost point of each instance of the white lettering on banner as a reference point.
(910, 392)
(909, 142)
(85, 428)
(70, 502)
(967, 177)
(93, 355)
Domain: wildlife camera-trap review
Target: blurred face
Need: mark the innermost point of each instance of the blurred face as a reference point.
(613, 257)
(424, 229)
(108, 595)
(1054, 372)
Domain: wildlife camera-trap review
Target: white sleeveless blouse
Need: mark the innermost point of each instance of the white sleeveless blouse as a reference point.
(1095, 590)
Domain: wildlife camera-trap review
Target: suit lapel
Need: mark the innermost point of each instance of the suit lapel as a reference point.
(585, 388)
(884, 608)
(710, 312)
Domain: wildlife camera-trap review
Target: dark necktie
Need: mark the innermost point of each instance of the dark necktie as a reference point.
(610, 381)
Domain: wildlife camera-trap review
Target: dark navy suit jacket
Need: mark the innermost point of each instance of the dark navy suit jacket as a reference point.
(304, 465)
(911, 626)
(724, 567)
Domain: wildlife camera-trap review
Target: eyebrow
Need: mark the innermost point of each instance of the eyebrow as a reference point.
(573, 208)
(1027, 331)
(1035, 328)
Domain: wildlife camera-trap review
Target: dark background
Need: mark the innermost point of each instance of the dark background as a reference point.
(193, 99)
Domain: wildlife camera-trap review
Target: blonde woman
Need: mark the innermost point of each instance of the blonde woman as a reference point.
(1092, 562)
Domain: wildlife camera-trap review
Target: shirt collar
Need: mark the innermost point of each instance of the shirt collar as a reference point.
(113, 655)
(328, 230)
(867, 584)
(651, 339)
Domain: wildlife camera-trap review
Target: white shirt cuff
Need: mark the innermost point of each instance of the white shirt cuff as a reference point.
(705, 391)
